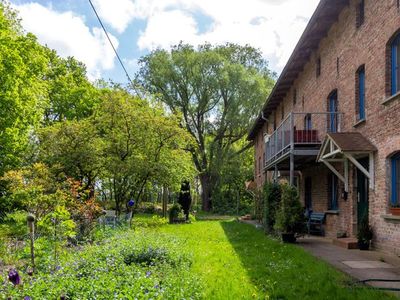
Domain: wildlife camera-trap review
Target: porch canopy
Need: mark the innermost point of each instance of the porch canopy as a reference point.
(345, 147)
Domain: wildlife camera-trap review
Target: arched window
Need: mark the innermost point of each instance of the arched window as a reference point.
(360, 93)
(395, 179)
(333, 112)
(395, 65)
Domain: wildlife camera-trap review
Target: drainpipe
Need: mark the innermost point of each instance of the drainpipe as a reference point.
(262, 117)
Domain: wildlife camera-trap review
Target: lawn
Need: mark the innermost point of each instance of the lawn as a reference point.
(218, 259)
(237, 261)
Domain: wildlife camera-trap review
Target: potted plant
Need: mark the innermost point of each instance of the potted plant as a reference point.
(395, 209)
(364, 234)
(290, 215)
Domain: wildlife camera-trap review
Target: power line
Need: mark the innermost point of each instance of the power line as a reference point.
(111, 43)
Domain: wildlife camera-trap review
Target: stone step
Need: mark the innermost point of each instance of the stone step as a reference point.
(347, 243)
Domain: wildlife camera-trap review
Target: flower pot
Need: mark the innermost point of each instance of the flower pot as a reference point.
(288, 238)
(362, 245)
(395, 211)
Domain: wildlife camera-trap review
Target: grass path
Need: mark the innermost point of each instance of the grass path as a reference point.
(236, 261)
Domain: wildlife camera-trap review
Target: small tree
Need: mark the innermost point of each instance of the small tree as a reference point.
(185, 199)
(290, 215)
(272, 198)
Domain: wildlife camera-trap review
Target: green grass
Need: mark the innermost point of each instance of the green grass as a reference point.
(219, 259)
(236, 261)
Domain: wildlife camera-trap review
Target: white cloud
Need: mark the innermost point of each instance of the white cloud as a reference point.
(68, 34)
(117, 13)
(166, 28)
(271, 25)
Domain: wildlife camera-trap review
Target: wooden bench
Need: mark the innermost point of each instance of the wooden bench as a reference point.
(316, 223)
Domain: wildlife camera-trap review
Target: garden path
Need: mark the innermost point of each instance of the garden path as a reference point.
(361, 265)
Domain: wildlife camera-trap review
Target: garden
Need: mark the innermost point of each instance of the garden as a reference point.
(208, 259)
(111, 191)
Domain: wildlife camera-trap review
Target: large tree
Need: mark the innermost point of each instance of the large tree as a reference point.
(23, 64)
(217, 89)
(70, 94)
(142, 144)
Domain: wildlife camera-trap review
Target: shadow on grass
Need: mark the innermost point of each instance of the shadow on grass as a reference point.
(287, 272)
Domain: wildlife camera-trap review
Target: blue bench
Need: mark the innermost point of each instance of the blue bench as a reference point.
(315, 223)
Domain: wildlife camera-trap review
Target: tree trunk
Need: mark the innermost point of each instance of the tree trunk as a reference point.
(206, 187)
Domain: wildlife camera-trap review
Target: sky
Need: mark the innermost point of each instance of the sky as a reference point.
(137, 27)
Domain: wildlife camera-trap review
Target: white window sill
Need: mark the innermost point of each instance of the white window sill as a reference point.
(391, 218)
(360, 122)
(391, 99)
(332, 212)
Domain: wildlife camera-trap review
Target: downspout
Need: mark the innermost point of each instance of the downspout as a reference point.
(262, 117)
(265, 154)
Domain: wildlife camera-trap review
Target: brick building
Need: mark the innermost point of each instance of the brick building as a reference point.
(331, 125)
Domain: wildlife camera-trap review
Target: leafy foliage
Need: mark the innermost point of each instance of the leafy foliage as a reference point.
(141, 265)
(365, 232)
(217, 89)
(174, 212)
(272, 198)
(290, 214)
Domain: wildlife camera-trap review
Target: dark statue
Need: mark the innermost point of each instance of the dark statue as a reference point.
(185, 199)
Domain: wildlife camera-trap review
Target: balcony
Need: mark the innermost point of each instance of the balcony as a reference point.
(297, 140)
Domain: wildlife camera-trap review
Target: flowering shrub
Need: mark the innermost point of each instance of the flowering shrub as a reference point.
(143, 264)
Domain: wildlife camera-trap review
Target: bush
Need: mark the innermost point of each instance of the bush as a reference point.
(174, 212)
(364, 234)
(225, 203)
(149, 256)
(272, 198)
(14, 225)
(290, 214)
(147, 208)
(144, 222)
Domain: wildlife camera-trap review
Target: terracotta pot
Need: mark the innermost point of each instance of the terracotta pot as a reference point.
(395, 211)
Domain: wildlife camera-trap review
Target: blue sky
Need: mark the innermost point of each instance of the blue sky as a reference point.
(139, 26)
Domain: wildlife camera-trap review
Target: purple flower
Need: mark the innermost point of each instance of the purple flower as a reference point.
(13, 276)
(148, 273)
(62, 297)
(27, 298)
(131, 203)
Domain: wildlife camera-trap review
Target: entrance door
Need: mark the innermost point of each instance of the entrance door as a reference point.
(362, 192)
(307, 194)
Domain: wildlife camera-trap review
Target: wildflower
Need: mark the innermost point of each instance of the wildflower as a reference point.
(148, 273)
(13, 276)
(27, 298)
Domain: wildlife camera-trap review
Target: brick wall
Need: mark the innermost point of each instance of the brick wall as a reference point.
(342, 52)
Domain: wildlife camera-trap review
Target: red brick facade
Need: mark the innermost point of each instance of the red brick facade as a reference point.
(345, 48)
